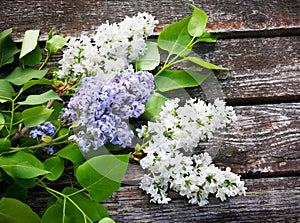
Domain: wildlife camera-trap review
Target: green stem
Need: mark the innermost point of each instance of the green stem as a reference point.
(77, 192)
(13, 108)
(173, 61)
(65, 198)
(162, 69)
(16, 123)
(11, 117)
(59, 138)
(5, 98)
(41, 145)
(146, 143)
(64, 209)
(46, 60)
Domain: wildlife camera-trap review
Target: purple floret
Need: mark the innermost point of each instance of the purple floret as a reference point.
(101, 111)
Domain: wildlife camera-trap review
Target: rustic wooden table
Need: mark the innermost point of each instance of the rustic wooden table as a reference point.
(260, 42)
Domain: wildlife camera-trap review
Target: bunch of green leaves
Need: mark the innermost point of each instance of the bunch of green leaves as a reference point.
(177, 40)
(23, 165)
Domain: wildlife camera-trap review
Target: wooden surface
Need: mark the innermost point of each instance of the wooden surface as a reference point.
(260, 42)
(229, 17)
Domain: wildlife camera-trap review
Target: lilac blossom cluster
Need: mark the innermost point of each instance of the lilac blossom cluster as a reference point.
(108, 52)
(100, 112)
(46, 129)
(179, 130)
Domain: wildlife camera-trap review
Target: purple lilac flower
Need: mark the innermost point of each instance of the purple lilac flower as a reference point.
(49, 149)
(41, 131)
(100, 111)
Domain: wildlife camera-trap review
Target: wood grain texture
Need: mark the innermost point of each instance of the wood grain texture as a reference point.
(262, 69)
(265, 139)
(267, 200)
(74, 17)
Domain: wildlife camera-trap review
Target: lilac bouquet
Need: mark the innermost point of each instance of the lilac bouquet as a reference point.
(105, 82)
(113, 88)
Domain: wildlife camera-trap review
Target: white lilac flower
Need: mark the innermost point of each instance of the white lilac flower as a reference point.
(181, 129)
(100, 111)
(108, 52)
(178, 173)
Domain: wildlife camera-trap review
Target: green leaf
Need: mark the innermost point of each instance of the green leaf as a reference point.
(73, 214)
(112, 147)
(197, 22)
(55, 43)
(175, 79)
(26, 183)
(153, 106)
(102, 210)
(71, 152)
(54, 214)
(175, 38)
(30, 50)
(15, 211)
(23, 165)
(6, 91)
(22, 75)
(41, 81)
(50, 34)
(150, 60)
(106, 220)
(207, 37)
(52, 200)
(7, 48)
(55, 165)
(5, 144)
(67, 211)
(40, 99)
(35, 116)
(5, 33)
(57, 107)
(17, 118)
(101, 176)
(89, 207)
(2, 122)
(30, 42)
(33, 58)
(205, 64)
(16, 191)
(63, 132)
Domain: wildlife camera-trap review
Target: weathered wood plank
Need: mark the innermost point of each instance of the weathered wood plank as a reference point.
(267, 200)
(73, 17)
(264, 141)
(262, 69)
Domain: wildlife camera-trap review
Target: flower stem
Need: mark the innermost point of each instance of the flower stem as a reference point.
(173, 61)
(66, 197)
(45, 61)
